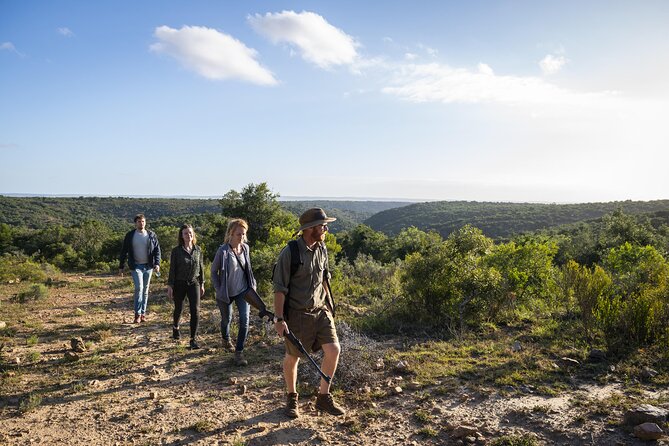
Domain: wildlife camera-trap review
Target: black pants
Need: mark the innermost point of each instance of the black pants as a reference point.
(179, 293)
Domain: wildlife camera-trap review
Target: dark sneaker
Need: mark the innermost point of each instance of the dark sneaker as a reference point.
(194, 345)
(228, 345)
(325, 403)
(239, 359)
(175, 333)
(136, 321)
(291, 405)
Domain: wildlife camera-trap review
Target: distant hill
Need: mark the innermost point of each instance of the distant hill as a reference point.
(118, 212)
(348, 213)
(499, 220)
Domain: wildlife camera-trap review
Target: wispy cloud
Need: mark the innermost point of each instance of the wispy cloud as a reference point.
(212, 54)
(552, 64)
(65, 31)
(314, 38)
(440, 83)
(429, 50)
(9, 46)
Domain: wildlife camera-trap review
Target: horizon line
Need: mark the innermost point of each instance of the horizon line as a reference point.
(309, 198)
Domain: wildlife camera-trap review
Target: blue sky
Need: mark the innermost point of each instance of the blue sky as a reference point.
(562, 101)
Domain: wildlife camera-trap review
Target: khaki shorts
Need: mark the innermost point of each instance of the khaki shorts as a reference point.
(312, 329)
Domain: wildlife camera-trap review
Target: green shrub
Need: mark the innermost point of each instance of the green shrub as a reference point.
(17, 268)
(451, 286)
(35, 292)
(30, 402)
(635, 312)
(515, 440)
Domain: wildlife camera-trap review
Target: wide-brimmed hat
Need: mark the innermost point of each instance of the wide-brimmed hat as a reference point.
(314, 217)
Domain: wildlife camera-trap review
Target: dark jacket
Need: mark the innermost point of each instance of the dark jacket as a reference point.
(219, 276)
(126, 250)
(186, 267)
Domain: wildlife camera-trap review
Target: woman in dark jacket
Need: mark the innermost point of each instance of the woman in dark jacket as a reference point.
(232, 276)
(186, 279)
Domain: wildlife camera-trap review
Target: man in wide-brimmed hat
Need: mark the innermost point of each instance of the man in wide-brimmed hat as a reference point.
(309, 310)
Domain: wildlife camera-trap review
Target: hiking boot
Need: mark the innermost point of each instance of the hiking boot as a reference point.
(325, 403)
(239, 359)
(194, 345)
(228, 345)
(175, 333)
(291, 405)
(136, 321)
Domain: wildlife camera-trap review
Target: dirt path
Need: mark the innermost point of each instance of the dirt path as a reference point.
(135, 385)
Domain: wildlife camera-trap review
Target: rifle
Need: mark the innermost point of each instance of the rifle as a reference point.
(256, 302)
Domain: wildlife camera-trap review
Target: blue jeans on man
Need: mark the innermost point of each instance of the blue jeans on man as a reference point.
(226, 318)
(141, 277)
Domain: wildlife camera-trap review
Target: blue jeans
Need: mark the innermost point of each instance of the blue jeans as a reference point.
(226, 318)
(141, 277)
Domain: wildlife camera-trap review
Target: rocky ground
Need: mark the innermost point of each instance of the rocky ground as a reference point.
(133, 384)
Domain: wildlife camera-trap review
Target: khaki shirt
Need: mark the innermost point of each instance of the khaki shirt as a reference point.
(305, 289)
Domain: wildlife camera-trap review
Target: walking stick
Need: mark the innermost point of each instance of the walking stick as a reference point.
(256, 302)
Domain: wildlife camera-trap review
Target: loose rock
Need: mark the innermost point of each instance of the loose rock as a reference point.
(464, 431)
(648, 431)
(71, 357)
(645, 413)
(597, 355)
(78, 345)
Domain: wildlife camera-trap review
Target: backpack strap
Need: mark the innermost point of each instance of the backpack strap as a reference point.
(295, 262)
(295, 259)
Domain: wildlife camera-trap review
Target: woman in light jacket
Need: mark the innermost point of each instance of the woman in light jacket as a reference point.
(232, 276)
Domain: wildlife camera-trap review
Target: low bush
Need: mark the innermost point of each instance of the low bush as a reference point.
(18, 268)
(36, 291)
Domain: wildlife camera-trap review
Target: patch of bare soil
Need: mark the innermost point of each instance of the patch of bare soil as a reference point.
(135, 385)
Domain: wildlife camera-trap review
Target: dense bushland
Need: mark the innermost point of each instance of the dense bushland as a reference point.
(611, 275)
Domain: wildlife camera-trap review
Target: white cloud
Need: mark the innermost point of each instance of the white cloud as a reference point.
(552, 64)
(485, 69)
(410, 56)
(318, 42)
(429, 50)
(64, 31)
(441, 83)
(212, 54)
(9, 46)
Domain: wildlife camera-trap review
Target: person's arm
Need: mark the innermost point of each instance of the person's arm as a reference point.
(280, 282)
(173, 271)
(156, 254)
(253, 283)
(215, 278)
(124, 254)
(201, 273)
(174, 260)
(280, 324)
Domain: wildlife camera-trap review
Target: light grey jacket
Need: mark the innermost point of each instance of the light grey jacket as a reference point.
(219, 271)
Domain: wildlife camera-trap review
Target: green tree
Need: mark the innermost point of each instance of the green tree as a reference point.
(363, 240)
(87, 239)
(637, 311)
(451, 286)
(635, 267)
(527, 270)
(589, 288)
(259, 207)
(6, 237)
(410, 240)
